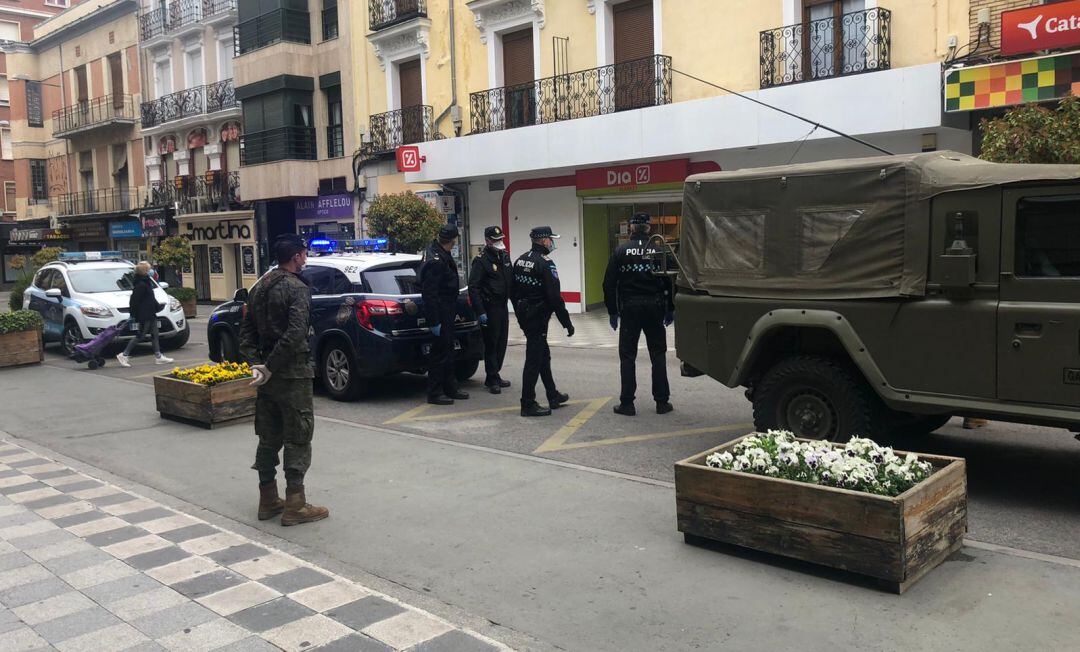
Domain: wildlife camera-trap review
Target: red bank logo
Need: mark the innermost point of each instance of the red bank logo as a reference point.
(1040, 28)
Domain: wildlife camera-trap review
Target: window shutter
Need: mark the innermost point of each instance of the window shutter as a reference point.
(633, 30)
(518, 57)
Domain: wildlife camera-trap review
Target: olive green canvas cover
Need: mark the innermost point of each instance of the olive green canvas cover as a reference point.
(852, 228)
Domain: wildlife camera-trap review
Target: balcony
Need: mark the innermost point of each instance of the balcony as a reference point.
(855, 43)
(288, 25)
(386, 13)
(93, 114)
(281, 144)
(190, 102)
(390, 130)
(598, 91)
(181, 14)
(214, 191)
(91, 202)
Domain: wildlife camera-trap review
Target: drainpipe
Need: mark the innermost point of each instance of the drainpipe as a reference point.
(453, 108)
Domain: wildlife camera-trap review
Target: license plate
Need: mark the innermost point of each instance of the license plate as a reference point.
(133, 327)
(426, 348)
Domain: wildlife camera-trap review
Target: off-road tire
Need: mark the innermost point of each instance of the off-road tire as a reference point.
(465, 369)
(335, 358)
(815, 382)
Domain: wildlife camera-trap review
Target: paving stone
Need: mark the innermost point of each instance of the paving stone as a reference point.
(50, 501)
(295, 580)
(22, 575)
(249, 644)
(23, 488)
(111, 499)
(76, 624)
(110, 537)
(136, 546)
(80, 486)
(212, 543)
(23, 640)
(19, 515)
(190, 532)
(239, 553)
(10, 473)
(116, 637)
(100, 574)
(96, 492)
(78, 519)
(173, 619)
(208, 583)
(329, 595)
(30, 461)
(167, 524)
(269, 615)
(185, 569)
(107, 593)
(272, 564)
(94, 527)
(61, 549)
(36, 494)
(67, 509)
(206, 637)
(25, 529)
(76, 561)
(238, 598)
(155, 558)
(33, 592)
(57, 606)
(9, 621)
(146, 646)
(454, 641)
(129, 506)
(354, 643)
(145, 603)
(52, 475)
(150, 514)
(309, 632)
(406, 629)
(12, 560)
(51, 537)
(364, 612)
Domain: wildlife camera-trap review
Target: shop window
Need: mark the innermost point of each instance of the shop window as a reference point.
(39, 188)
(735, 241)
(823, 229)
(1047, 242)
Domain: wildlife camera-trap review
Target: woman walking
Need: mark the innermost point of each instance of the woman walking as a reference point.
(143, 307)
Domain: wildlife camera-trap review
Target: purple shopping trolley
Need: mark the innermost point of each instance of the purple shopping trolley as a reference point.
(90, 352)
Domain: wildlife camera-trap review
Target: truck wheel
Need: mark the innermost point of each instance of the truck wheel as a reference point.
(815, 398)
(465, 369)
(339, 374)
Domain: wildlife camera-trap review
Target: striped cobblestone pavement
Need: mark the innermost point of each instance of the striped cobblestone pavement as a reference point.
(86, 566)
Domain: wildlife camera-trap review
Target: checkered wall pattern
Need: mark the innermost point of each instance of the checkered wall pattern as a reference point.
(1013, 82)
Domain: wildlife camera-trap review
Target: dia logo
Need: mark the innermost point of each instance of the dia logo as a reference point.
(643, 174)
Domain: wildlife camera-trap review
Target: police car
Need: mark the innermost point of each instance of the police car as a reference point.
(85, 292)
(366, 322)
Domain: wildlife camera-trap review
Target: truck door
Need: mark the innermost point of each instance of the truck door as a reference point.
(1039, 313)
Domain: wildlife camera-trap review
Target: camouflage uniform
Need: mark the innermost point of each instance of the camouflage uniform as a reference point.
(274, 332)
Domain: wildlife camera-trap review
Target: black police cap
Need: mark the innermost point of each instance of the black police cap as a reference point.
(448, 232)
(640, 218)
(494, 233)
(291, 239)
(542, 232)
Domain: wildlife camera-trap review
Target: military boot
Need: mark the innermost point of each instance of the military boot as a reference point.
(557, 400)
(270, 503)
(533, 409)
(298, 511)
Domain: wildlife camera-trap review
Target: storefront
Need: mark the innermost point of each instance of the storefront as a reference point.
(127, 238)
(19, 240)
(226, 256)
(90, 234)
(332, 216)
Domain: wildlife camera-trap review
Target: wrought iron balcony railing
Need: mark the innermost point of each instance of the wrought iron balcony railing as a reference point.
(189, 102)
(180, 13)
(390, 130)
(213, 191)
(103, 200)
(855, 43)
(384, 13)
(281, 144)
(582, 94)
(91, 114)
(290, 25)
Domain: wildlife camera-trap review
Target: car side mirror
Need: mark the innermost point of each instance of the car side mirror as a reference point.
(163, 286)
(240, 295)
(54, 293)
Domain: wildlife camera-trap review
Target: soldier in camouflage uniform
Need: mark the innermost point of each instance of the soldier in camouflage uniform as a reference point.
(274, 340)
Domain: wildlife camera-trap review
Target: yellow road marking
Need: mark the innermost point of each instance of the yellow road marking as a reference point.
(409, 415)
(473, 413)
(556, 441)
(637, 438)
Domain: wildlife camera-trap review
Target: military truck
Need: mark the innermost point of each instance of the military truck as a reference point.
(884, 295)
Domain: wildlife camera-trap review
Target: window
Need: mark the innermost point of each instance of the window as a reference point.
(1047, 240)
(735, 241)
(823, 230)
(326, 280)
(39, 189)
(5, 94)
(395, 280)
(335, 131)
(35, 114)
(162, 77)
(335, 186)
(329, 20)
(5, 144)
(10, 31)
(9, 196)
(193, 67)
(225, 58)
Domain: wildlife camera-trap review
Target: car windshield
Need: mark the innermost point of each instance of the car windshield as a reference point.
(392, 280)
(91, 281)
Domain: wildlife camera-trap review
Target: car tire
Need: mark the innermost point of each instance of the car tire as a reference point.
(227, 347)
(338, 372)
(918, 425)
(172, 343)
(465, 369)
(815, 398)
(70, 336)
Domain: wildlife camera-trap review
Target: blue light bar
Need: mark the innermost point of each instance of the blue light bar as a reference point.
(321, 243)
(76, 256)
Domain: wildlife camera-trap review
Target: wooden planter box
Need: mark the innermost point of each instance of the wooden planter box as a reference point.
(896, 540)
(208, 406)
(21, 348)
(191, 308)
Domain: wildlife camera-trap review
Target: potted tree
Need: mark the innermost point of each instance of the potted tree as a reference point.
(20, 338)
(174, 253)
(405, 219)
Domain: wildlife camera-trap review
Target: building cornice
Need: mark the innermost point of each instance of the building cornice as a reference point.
(410, 36)
(493, 13)
(104, 15)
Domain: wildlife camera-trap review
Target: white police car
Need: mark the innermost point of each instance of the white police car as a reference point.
(84, 293)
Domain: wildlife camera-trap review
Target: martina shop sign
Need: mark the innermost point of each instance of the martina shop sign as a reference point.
(1045, 27)
(224, 230)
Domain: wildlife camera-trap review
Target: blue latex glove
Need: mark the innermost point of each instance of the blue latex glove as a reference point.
(436, 330)
(669, 318)
(614, 321)
(483, 320)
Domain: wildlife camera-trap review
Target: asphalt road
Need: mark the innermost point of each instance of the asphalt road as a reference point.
(1023, 481)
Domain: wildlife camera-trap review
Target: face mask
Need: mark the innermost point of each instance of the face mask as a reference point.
(553, 244)
(499, 245)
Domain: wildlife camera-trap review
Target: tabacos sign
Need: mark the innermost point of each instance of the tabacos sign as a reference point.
(639, 177)
(1045, 27)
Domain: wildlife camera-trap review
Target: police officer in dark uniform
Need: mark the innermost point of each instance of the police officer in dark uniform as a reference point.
(491, 278)
(644, 302)
(438, 277)
(536, 296)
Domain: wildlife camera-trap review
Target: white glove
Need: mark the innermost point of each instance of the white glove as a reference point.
(260, 375)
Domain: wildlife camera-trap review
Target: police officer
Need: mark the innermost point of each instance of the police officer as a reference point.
(439, 283)
(644, 302)
(536, 296)
(491, 278)
(274, 340)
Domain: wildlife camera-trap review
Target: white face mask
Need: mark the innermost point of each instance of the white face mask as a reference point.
(498, 244)
(553, 244)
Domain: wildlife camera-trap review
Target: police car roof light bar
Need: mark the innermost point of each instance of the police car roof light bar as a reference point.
(90, 256)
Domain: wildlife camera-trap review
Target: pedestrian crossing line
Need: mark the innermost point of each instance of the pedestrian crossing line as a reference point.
(473, 413)
(556, 441)
(409, 415)
(639, 438)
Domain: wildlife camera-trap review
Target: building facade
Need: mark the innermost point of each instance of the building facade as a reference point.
(191, 124)
(577, 113)
(74, 92)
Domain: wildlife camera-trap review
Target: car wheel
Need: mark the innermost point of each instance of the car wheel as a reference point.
(339, 374)
(228, 349)
(71, 336)
(168, 344)
(814, 398)
(465, 369)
